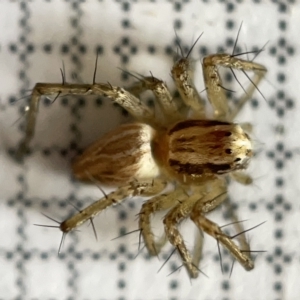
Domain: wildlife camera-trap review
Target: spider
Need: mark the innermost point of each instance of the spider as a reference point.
(181, 146)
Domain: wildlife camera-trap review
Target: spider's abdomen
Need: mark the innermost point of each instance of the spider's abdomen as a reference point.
(120, 156)
(197, 150)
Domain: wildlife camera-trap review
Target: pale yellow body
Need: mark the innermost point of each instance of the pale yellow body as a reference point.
(194, 154)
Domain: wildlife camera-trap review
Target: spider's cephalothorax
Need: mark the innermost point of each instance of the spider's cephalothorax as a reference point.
(193, 153)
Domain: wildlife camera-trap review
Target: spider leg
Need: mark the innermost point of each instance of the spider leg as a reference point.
(243, 242)
(182, 76)
(211, 228)
(197, 249)
(158, 203)
(171, 221)
(129, 102)
(203, 206)
(166, 103)
(211, 201)
(134, 188)
(241, 177)
(215, 90)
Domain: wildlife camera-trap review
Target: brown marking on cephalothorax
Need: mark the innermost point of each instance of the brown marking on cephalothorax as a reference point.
(195, 150)
(195, 123)
(199, 169)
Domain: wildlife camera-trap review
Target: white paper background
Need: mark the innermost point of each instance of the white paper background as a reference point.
(87, 269)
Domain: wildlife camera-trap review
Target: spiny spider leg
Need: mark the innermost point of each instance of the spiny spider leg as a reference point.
(215, 231)
(166, 103)
(194, 155)
(119, 95)
(171, 221)
(150, 207)
(213, 82)
(198, 247)
(132, 189)
(183, 77)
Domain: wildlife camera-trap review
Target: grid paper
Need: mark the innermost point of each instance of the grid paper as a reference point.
(139, 36)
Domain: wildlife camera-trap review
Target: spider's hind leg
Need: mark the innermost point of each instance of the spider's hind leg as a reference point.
(119, 95)
(183, 77)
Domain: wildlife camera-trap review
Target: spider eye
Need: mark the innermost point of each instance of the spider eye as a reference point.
(237, 159)
(228, 133)
(228, 151)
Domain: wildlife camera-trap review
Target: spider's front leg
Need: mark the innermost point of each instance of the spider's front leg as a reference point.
(183, 78)
(129, 102)
(171, 221)
(212, 194)
(198, 217)
(215, 91)
(169, 109)
(183, 205)
(183, 210)
(152, 206)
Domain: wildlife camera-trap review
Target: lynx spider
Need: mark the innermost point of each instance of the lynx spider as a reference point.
(181, 146)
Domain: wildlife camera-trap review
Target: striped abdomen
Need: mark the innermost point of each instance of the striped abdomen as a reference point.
(120, 156)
